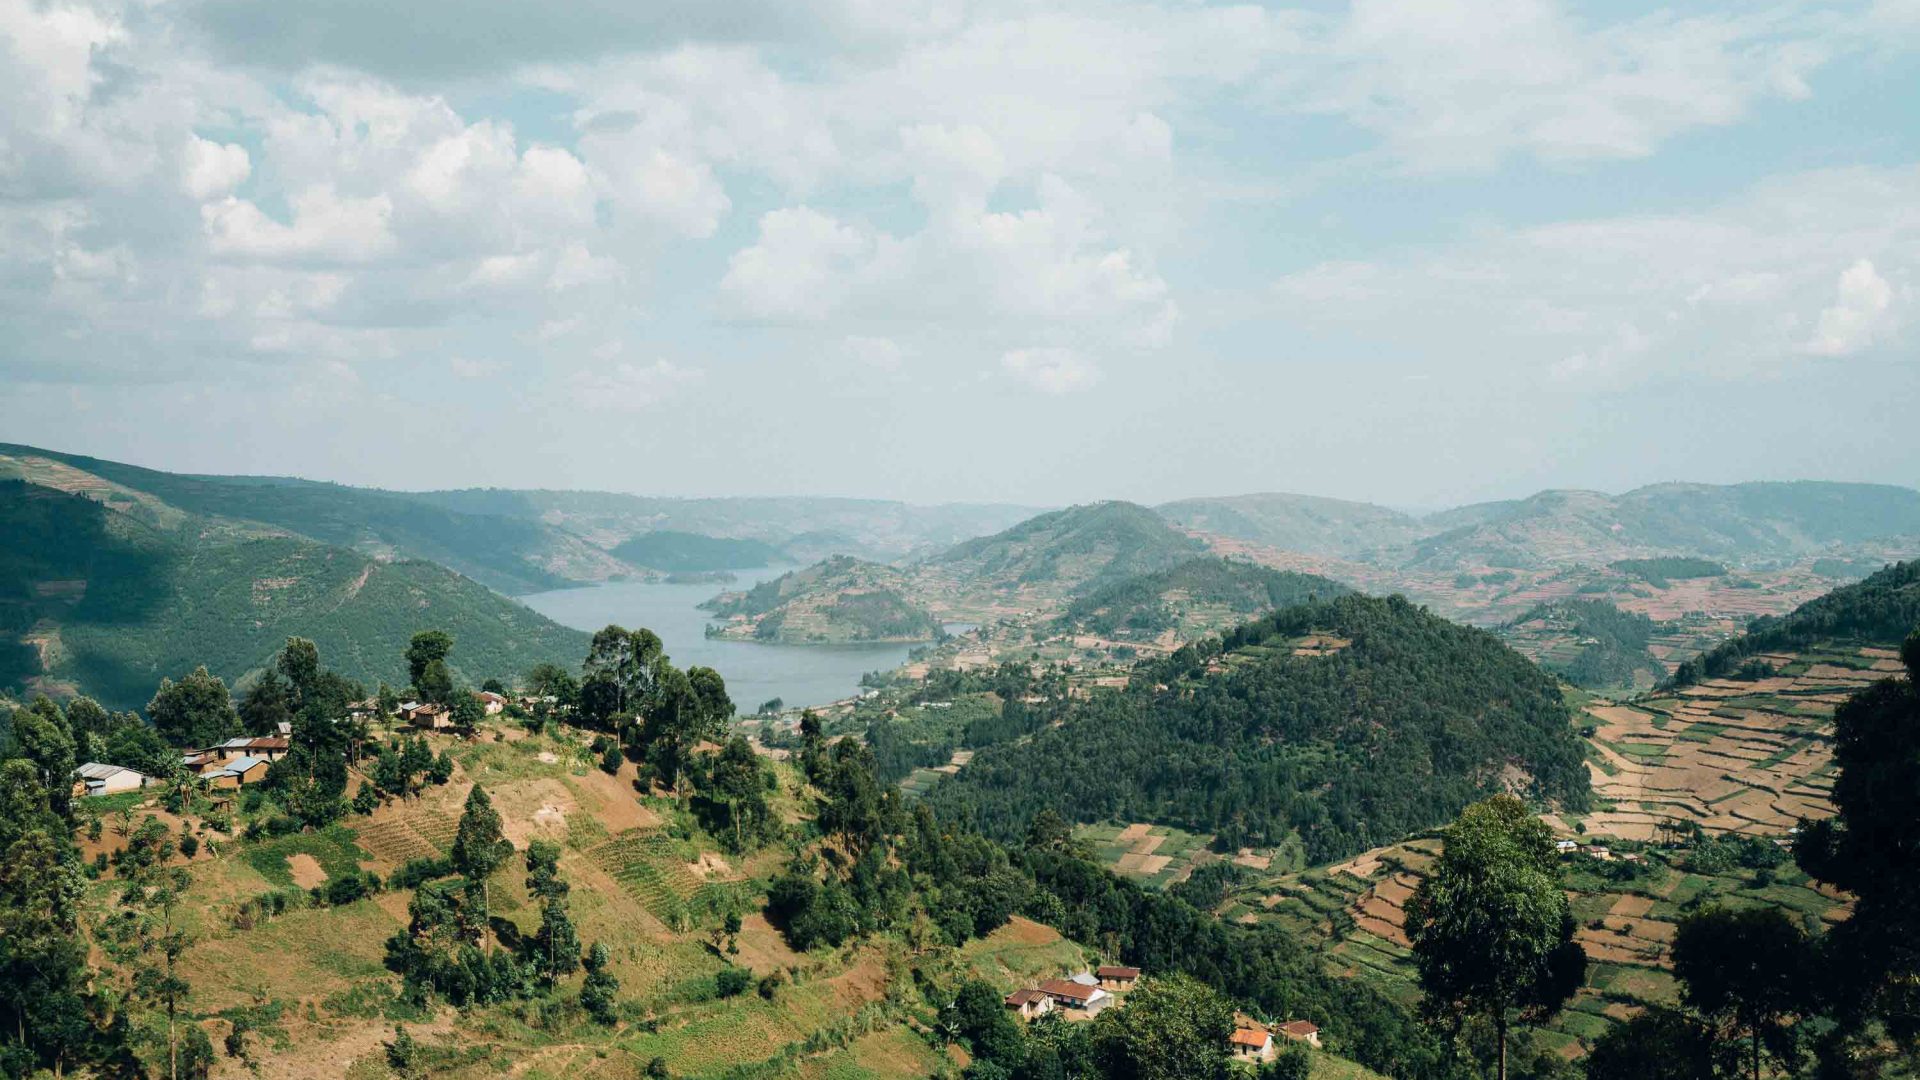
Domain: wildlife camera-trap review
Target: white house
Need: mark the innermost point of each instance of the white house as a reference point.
(94, 778)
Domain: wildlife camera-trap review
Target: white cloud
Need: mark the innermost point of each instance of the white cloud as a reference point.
(325, 228)
(1050, 370)
(798, 270)
(213, 169)
(1860, 313)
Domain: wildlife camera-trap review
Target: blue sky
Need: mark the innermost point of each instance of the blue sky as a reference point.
(1412, 253)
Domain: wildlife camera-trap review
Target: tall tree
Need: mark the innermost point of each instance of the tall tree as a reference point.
(1172, 1028)
(739, 782)
(435, 683)
(426, 647)
(479, 847)
(1491, 928)
(299, 661)
(267, 704)
(196, 711)
(1871, 848)
(1749, 969)
(597, 993)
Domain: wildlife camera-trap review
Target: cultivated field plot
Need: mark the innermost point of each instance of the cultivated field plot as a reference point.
(658, 871)
(1733, 755)
(1626, 913)
(1152, 855)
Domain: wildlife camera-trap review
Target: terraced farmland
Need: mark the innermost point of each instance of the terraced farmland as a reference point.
(1152, 855)
(1626, 913)
(1733, 755)
(656, 870)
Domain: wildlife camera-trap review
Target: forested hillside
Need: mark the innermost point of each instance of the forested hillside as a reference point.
(1069, 551)
(1590, 643)
(509, 554)
(1881, 610)
(97, 600)
(1207, 588)
(1352, 721)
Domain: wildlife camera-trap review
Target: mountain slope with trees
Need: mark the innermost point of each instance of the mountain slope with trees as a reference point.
(1391, 720)
(1207, 588)
(672, 550)
(509, 554)
(1068, 552)
(97, 599)
(838, 601)
(1880, 610)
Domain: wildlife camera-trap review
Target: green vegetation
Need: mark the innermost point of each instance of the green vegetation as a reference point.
(669, 549)
(1075, 550)
(1608, 646)
(1881, 609)
(1164, 599)
(1662, 571)
(508, 554)
(117, 603)
(1414, 719)
(837, 601)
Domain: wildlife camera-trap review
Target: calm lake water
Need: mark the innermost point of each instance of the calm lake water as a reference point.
(796, 674)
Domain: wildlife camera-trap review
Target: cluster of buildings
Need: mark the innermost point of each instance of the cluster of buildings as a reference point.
(1088, 994)
(1082, 996)
(1255, 1042)
(234, 763)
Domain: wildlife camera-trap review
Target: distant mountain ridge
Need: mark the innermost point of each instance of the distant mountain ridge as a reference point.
(1557, 527)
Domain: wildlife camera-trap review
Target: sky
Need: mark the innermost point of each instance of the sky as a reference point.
(977, 250)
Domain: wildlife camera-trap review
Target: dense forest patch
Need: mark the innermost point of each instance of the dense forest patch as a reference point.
(1240, 736)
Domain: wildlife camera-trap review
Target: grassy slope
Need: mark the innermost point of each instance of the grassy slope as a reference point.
(156, 602)
(1206, 591)
(507, 553)
(1302, 523)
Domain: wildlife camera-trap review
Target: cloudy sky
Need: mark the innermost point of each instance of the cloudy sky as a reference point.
(966, 249)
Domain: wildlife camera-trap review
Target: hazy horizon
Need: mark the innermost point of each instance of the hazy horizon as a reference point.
(1415, 255)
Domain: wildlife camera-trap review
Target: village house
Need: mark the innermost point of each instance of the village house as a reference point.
(430, 716)
(1251, 1044)
(1116, 977)
(363, 710)
(1030, 1004)
(491, 702)
(237, 773)
(94, 778)
(1085, 997)
(272, 748)
(1565, 847)
(1305, 1031)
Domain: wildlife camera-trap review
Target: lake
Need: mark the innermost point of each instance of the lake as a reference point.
(796, 674)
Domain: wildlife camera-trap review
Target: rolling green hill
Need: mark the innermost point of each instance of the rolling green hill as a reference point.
(1590, 643)
(96, 599)
(672, 550)
(1352, 722)
(1069, 551)
(1203, 590)
(1303, 523)
(835, 602)
(510, 554)
(1882, 610)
